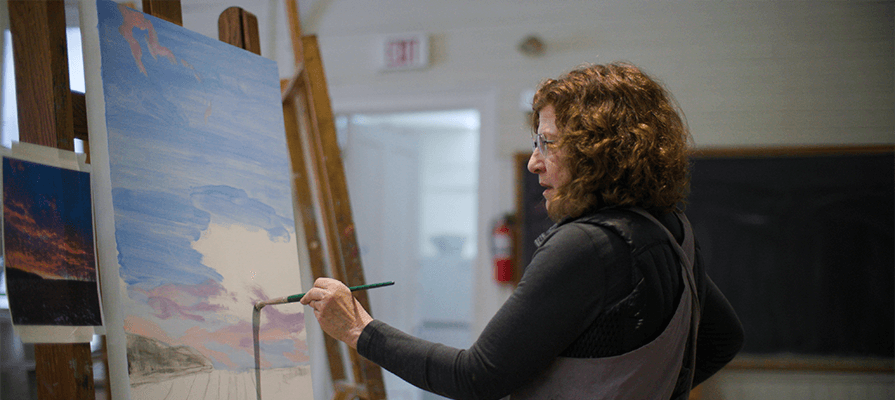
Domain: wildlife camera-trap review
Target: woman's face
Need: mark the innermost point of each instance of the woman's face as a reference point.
(552, 172)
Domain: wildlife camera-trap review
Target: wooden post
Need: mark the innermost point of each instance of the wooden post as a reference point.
(168, 10)
(239, 28)
(43, 94)
(304, 198)
(309, 122)
(340, 231)
(79, 120)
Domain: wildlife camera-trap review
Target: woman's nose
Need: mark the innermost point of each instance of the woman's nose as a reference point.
(535, 162)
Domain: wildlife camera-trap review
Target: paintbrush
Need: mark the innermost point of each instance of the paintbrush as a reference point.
(296, 297)
(256, 324)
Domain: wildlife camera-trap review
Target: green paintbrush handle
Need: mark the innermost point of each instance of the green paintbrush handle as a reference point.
(297, 297)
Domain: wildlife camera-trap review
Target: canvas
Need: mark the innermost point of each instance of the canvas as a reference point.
(192, 181)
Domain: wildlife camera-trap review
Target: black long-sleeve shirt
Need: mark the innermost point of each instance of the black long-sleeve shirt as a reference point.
(581, 297)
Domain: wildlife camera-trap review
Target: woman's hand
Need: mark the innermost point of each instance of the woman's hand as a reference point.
(339, 313)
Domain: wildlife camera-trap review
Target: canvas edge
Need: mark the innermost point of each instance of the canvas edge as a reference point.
(107, 254)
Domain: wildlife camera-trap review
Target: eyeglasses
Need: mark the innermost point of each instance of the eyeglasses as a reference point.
(539, 143)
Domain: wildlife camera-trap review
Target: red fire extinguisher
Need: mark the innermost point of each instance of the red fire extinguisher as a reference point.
(502, 242)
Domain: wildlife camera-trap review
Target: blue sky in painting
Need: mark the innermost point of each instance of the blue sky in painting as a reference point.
(201, 190)
(175, 165)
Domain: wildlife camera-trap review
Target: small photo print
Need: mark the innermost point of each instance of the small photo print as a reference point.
(48, 243)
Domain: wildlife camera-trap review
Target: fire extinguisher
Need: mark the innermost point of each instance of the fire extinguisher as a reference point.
(502, 243)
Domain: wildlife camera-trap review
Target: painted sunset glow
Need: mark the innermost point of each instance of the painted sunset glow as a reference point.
(48, 226)
(201, 192)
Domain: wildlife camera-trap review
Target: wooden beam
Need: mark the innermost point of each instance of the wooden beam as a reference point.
(788, 151)
(335, 186)
(79, 120)
(327, 167)
(168, 10)
(339, 225)
(43, 94)
(64, 371)
(79, 115)
(304, 196)
(309, 122)
(803, 363)
(235, 26)
(295, 31)
(40, 57)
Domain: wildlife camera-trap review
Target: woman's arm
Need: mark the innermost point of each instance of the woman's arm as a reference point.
(720, 334)
(563, 290)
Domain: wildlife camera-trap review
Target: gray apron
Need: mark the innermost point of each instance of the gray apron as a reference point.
(648, 372)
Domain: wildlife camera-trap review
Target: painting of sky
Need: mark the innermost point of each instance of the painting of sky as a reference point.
(201, 192)
(48, 243)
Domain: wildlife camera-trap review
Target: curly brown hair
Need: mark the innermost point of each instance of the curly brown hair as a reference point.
(621, 138)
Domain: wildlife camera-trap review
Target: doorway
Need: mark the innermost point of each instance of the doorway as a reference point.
(413, 185)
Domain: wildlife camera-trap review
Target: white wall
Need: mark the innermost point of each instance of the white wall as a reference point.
(745, 72)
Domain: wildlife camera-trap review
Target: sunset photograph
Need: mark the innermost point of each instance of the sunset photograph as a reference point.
(48, 245)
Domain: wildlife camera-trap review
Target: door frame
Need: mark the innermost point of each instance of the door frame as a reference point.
(489, 295)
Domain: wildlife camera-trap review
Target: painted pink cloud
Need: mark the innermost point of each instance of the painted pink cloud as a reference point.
(239, 336)
(192, 303)
(143, 327)
(184, 301)
(134, 19)
(195, 337)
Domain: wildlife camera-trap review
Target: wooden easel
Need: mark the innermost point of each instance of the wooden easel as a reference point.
(50, 114)
(322, 199)
(43, 95)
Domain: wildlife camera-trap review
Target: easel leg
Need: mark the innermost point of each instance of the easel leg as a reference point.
(63, 371)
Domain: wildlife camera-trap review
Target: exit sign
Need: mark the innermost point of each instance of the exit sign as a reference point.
(400, 52)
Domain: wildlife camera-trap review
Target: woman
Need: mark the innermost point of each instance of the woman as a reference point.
(615, 295)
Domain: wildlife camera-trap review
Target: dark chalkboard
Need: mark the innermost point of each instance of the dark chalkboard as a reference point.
(802, 245)
(802, 242)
